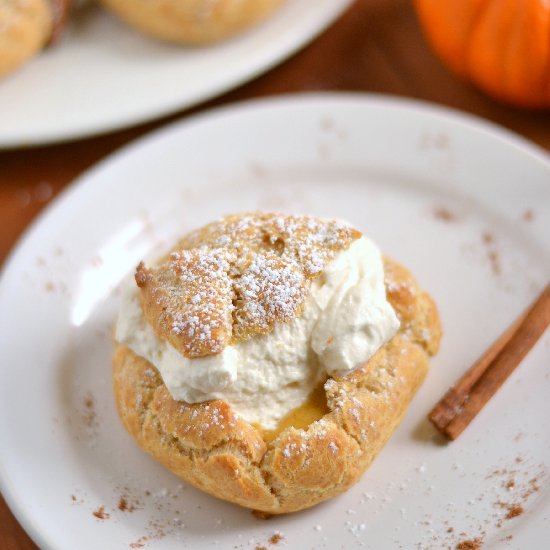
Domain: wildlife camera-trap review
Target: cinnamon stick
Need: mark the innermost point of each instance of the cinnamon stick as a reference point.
(466, 398)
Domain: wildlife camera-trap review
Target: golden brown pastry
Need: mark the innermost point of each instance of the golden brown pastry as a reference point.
(192, 21)
(26, 27)
(319, 449)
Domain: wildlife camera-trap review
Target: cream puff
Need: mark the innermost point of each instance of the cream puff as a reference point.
(193, 22)
(268, 358)
(27, 27)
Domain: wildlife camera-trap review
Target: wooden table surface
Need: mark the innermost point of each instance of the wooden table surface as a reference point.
(376, 46)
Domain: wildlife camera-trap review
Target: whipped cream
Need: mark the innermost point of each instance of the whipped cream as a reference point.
(346, 319)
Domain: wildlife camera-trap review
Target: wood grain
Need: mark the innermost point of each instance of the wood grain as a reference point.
(376, 46)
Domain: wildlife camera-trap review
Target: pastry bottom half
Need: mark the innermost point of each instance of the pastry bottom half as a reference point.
(211, 447)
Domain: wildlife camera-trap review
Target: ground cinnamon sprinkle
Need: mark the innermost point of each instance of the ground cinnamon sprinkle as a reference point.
(510, 484)
(494, 259)
(533, 488)
(470, 544)
(260, 548)
(514, 511)
(488, 238)
(495, 262)
(100, 513)
(123, 505)
(276, 538)
(89, 415)
(444, 215)
(528, 215)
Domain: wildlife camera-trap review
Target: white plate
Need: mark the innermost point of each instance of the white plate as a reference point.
(105, 76)
(466, 205)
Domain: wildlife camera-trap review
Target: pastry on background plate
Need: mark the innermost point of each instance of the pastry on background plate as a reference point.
(268, 358)
(192, 21)
(26, 27)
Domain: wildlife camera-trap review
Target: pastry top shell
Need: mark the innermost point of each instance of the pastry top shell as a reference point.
(236, 277)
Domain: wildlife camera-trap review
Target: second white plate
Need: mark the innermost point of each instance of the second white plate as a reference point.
(104, 76)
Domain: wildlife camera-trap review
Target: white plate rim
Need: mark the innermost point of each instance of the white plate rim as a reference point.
(469, 122)
(464, 121)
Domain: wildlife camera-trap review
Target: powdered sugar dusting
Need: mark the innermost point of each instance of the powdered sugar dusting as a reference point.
(269, 290)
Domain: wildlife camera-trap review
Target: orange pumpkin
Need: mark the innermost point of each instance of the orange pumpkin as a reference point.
(502, 46)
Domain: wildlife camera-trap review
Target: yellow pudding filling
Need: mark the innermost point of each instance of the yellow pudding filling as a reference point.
(314, 408)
